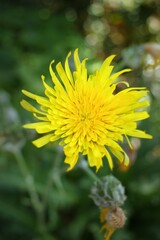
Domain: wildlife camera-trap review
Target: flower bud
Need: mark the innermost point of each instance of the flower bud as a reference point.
(115, 218)
(108, 192)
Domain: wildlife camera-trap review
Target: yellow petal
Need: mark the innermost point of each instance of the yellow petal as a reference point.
(106, 69)
(63, 77)
(40, 127)
(109, 158)
(117, 153)
(139, 134)
(67, 69)
(40, 142)
(26, 105)
(126, 159)
(76, 59)
(50, 92)
(55, 80)
(95, 158)
(71, 160)
(116, 75)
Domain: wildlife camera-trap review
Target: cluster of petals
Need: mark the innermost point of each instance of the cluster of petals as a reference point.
(85, 114)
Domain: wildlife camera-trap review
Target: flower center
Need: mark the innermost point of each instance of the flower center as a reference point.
(85, 117)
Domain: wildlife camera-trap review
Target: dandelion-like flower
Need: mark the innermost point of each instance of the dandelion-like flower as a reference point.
(85, 114)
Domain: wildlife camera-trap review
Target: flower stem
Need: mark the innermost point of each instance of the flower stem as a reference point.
(30, 184)
(90, 173)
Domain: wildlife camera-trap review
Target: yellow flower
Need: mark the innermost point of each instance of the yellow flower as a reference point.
(86, 114)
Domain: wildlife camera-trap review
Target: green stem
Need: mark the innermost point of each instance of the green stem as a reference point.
(54, 171)
(28, 178)
(54, 178)
(89, 172)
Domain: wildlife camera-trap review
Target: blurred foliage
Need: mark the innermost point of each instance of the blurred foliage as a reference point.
(39, 200)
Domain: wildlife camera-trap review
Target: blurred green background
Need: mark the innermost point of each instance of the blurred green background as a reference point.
(38, 199)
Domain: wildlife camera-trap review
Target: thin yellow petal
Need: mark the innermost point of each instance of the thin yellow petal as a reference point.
(136, 116)
(76, 59)
(40, 142)
(106, 69)
(139, 134)
(126, 159)
(27, 106)
(118, 154)
(109, 158)
(68, 71)
(116, 75)
(63, 77)
(39, 99)
(31, 95)
(54, 78)
(49, 90)
(40, 127)
(129, 143)
(71, 161)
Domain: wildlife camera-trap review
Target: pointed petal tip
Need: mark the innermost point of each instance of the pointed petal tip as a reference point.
(24, 126)
(113, 55)
(68, 169)
(50, 66)
(149, 136)
(128, 69)
(69, 54)
(42, 77)
(126, 159)
(40, 142)
(23, 91)
(111, 167)
(97, 169)
(76, 50)
(52, 61)
(36, 144)
(21, 103)
(26, 93)
(29, 125)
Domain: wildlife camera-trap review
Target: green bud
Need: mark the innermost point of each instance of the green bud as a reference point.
(108, 192)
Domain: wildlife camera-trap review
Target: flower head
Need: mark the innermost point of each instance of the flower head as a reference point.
(86, 114)
(112, 219)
